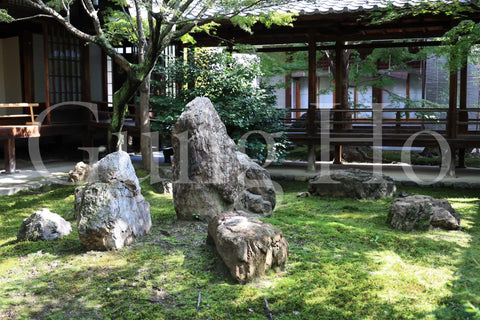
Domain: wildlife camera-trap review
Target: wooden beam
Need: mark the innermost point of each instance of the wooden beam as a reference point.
(371, 45)
(312, 99)
(46, 55)
(339, 78)
(27, 66)
(452, 106)
(288, 95)
(463, 115)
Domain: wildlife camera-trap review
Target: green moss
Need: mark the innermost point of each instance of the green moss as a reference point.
(344, 263)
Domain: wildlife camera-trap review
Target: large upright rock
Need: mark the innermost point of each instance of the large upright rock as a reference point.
(44, 225)
(247, 246)
(352, 183)
(110, 209)
(208, 177)
(421, 212)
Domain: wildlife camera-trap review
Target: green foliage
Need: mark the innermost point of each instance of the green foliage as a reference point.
(60, 5)
(268, 18)
(4, 16)
(230, 83)
(456, 8)
(344, 262)
(459, 40)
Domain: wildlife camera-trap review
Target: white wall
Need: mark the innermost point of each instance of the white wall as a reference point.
(279, 83)
(326, 94)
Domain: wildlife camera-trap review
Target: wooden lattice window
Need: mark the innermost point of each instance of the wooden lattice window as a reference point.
(64, 65)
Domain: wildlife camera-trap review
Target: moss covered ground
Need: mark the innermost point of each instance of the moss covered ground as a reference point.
(344, 263)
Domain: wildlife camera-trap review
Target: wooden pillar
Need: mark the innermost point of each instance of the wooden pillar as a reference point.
(298, 102)
(463, 115)
(407, 93)
(46, 55)
(339, 78)
(26, 43)
(312, 99)
(452, 116)
(452, 106)
(288, 95)
(9, 155)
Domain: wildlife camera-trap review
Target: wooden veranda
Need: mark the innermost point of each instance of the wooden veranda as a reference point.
(340, 25)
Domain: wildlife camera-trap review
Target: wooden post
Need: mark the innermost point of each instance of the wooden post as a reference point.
(463, 114)
(27, 66)
(452, 116)
(46, 55)
(312, 99)
(339, 78)
(407, 94)
(9, 154)
(452, 106)
(288, 96)
(298, 102)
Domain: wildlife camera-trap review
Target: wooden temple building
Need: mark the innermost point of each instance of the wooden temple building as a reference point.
(337, 26)
(42, 65)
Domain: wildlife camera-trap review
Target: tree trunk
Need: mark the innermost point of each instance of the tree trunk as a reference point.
(120, 99)
(145, 144)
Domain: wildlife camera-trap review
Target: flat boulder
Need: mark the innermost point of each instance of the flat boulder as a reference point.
(44, 225)
(419, 212)
(209, 175)
(247, 246)
(110, 209)
(352, 183)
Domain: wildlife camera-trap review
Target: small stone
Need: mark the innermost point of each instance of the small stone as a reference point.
(44, 225)
(303, 195)
(79, 173)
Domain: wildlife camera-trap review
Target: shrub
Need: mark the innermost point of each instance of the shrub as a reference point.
(231, 82)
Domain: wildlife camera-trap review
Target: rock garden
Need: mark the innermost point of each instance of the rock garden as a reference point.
(215, 242)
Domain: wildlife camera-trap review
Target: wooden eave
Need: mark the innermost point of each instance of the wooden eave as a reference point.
(330, 28)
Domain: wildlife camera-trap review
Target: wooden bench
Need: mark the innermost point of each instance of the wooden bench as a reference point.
(16, 126)
(12, 119)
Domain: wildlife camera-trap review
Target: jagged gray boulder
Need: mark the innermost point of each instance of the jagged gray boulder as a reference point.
(44, 225)
(421, 212)
(247, 246)
(353, 183)
(110, 209)
(208, 176)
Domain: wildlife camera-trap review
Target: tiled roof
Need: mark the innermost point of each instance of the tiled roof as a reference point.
(312, 7)
(340, 6)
